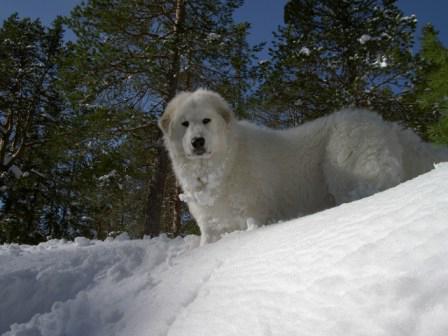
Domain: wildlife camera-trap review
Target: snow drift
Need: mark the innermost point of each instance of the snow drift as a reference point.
(378, 266)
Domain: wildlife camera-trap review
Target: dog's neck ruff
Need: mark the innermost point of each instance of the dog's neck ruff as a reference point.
(202, 179)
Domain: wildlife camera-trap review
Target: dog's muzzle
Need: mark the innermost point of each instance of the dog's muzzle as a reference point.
(198, 145)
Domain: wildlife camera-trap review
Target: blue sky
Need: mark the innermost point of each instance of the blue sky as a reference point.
(264, 15)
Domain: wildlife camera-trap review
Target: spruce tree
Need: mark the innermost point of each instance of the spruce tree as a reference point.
(332, 54)
(431, 88)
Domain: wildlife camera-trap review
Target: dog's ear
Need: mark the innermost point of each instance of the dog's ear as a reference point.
(221, 105)
(164, 122)
(167, 116)
(225, 111)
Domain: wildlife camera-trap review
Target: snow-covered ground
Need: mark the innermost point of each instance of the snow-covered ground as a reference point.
(378, 266)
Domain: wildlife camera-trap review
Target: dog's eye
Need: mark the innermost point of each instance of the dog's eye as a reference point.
(206, 121)
(185, 123)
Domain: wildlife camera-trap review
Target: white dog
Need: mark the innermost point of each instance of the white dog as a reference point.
(236, 175)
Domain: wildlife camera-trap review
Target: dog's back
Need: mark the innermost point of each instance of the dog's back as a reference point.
(369, 154)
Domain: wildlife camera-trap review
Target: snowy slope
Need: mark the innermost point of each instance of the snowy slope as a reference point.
(378, 266)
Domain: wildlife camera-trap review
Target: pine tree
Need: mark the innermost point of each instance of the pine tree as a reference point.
(134, 56)
(29, 101)
(332, 54)
(30, 111)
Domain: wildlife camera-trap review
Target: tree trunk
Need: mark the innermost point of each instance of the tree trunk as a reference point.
(175, 61)
(159, 203)
(153, 225)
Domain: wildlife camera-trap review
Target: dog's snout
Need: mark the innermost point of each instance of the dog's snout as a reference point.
(198, 142)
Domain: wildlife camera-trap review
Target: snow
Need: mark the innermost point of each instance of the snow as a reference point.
(113, 173)
(47, 116)
(35, 171)
(82, 241)
(211, 37)
(16, 171)
(409, 18)
(7, 159)
(378, 266)
(381, 62)
(305, 51)
(364, 38)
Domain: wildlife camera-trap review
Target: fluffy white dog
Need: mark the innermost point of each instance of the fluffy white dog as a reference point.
(235, 174)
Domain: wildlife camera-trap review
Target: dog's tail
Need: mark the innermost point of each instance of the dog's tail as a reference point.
(440, 153)
(420, 157)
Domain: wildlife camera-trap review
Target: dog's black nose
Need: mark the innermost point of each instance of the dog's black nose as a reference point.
(198, 143)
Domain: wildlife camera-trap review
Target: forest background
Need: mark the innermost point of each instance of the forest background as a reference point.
(80, 151)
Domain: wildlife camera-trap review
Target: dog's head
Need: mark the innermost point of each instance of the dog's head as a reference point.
(196, 123)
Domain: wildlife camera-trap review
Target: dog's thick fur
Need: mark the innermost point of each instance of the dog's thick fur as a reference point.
(248, 175)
